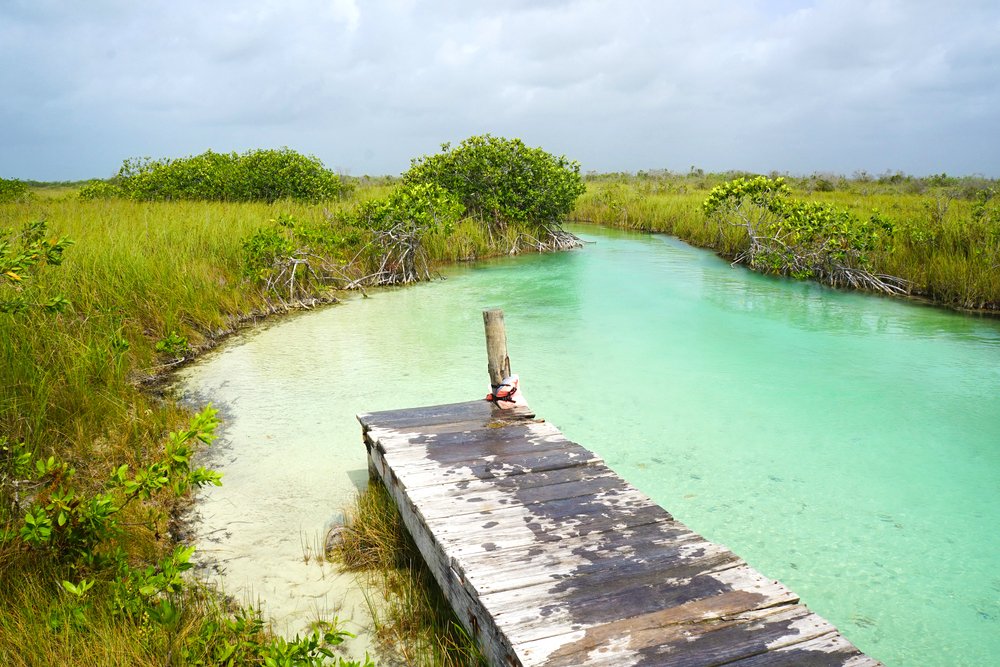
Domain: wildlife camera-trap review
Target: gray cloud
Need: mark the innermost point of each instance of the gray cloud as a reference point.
(634, 84)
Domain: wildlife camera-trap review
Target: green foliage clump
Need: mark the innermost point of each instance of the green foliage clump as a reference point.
(64, 522)
(412, 208)
(273, 175)
(799, 238)
(757, 195)
(986, 211)
(100, 190)
(22, 255)
(258, 175)
(502, 181)
(399, 226)
(380, 242)
(81, 530)
(173, 344)
(241, 640)
(14, 190)
(266, 250)
(294, 259)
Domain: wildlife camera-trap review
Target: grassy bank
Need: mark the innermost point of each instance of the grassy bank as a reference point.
(149, 284)
(71, 389)
(107, 286)
(946, 230)
(416, 623)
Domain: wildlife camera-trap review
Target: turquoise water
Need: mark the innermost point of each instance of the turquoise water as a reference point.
(845, 444)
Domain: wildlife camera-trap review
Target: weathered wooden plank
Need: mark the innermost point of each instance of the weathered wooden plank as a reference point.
(544, 611)
(587, 522)
(495, 645)
(460, 446)
(706, 642)
(581, 557)
(467, 496)
(512, 526)
(620, 641)
(829, 650)
(490, 500)
(471, 429)
(549, 609)
(559, 513)
(455, 448)
(539, 461)
(416, 418)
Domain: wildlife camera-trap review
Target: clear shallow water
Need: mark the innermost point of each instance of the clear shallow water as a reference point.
(845, 444)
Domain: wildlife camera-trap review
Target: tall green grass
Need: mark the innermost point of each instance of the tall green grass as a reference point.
(136, 272)
(414, 621)
(947, 253)
(72, 386)
(38, 628)
(81, 385)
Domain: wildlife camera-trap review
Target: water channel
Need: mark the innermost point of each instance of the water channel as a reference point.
(846, 444)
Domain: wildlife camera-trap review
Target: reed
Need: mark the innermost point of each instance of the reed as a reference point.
(413, 621)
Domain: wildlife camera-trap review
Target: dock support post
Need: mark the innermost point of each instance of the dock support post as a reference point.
(496, 346)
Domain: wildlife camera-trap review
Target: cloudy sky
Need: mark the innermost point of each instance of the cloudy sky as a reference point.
(792, 86)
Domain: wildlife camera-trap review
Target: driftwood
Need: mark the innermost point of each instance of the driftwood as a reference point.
(554, 237)
(400, 257)
(820, 262)
(294, 277)
(404, 259)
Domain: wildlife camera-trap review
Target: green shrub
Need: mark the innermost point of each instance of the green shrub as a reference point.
(400, 224)
(500, 181)
(272, 175)
(802, 239)
(292, 259)
(14, 190)
(100, 190)
(22, 255)
(258, 175)
(411, 208)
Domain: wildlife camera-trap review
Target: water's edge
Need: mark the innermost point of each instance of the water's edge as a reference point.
(691, 379)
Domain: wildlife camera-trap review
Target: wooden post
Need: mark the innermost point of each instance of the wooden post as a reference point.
(496, 346)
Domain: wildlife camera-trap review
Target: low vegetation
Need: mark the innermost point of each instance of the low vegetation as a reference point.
(415, 624)
(14, 190)
(937, 238)
(258, 175)
(88, 474)
(502, 182)
(804, 240)
(105, 289)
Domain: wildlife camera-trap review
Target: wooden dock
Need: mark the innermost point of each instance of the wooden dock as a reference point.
(550, 558)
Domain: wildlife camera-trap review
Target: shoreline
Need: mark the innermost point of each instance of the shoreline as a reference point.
(992, 312)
